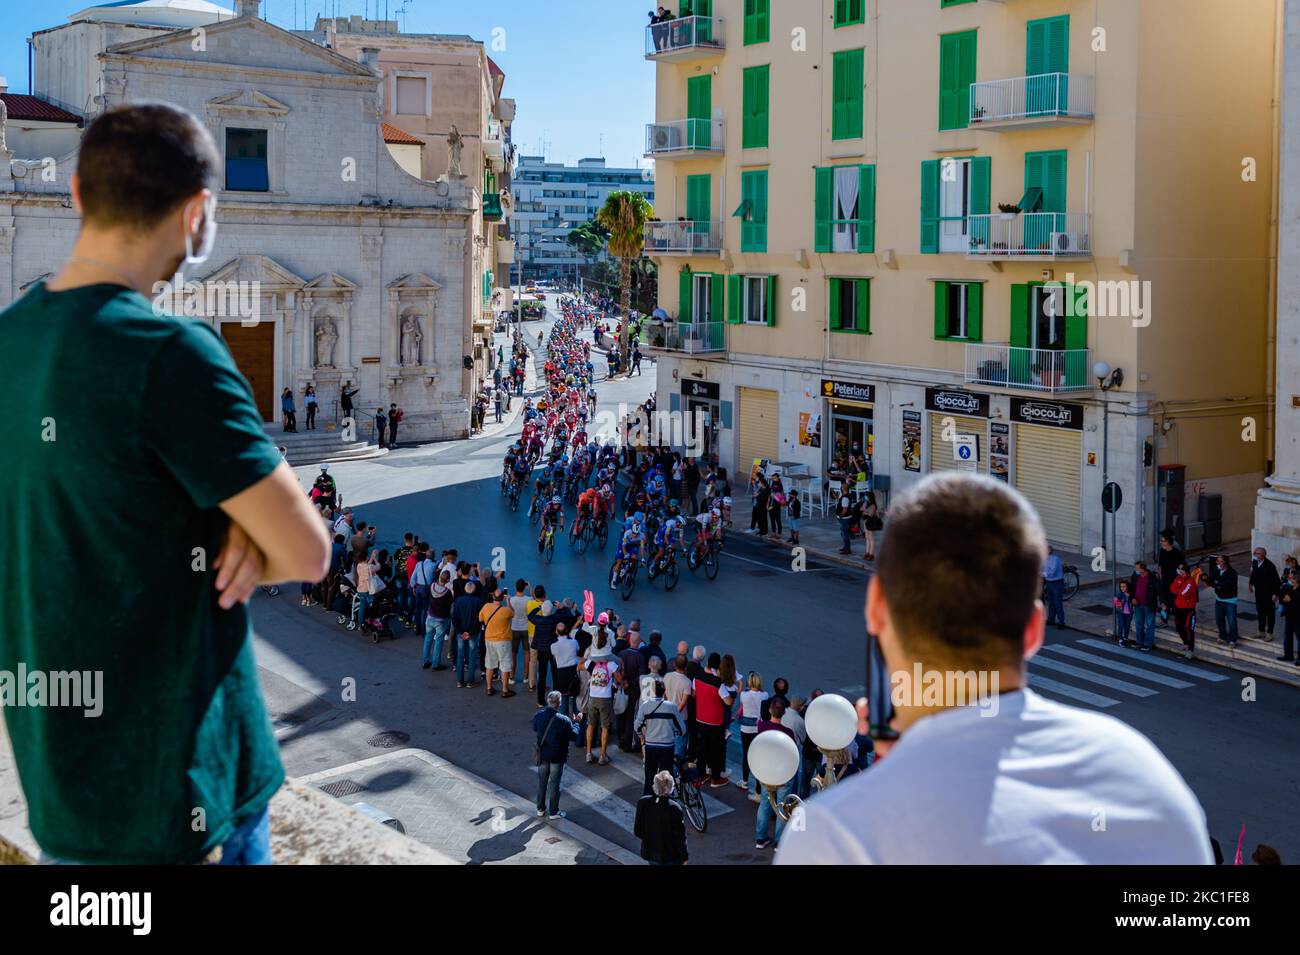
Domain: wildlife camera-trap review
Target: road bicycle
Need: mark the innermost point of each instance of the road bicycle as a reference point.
(548, 542)
(580, 533)
(626, 579)
(705, 555)
(687, 791)
(666, 567)
(600, 530)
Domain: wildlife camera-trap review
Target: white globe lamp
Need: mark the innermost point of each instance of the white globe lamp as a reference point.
(773, 758)
(832, 722)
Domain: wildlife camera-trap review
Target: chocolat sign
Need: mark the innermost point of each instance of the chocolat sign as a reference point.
(1054, 414)
(950, 401)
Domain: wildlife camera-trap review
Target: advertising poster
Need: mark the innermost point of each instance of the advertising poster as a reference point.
(810, 429)
(911, 443)
(1000, 453)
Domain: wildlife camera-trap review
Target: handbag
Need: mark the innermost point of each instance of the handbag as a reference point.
(537, 746)
(620, 701)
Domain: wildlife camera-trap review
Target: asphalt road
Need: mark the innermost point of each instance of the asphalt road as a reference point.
(1238, 753)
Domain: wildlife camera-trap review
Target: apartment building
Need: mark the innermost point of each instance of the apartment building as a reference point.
(1028, 238)
(553, 199)
(431, 83)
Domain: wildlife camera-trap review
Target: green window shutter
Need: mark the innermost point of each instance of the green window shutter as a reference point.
(836, 304)
(940, 310)
(699, 198)
(763, 27)
(771, 300)
(930, 206)
(957, 52)
(685, 311)
(822, 213)
(866, 208)
(755, 107)
(753, 232)
(733, 299)
(980, 185)
(857, 67)
(1036, 48)
(717, 297)
(975, 312)
(1076, 318)
(841, 12)
(1047, 46)
(839, 96)
(1020, 316)
(1047, 171)
(862, 320)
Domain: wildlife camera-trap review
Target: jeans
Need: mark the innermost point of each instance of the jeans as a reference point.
(1125, 621)
(1225, 618)
(403, 595)
(846, 537)
(548, 787)
(1291, 630)
(1144, 622)
(519, 652)
(435, 632)
(1056, 601)
(466, 659)
(544, 660)
(363, 604)
(766, 814)
(420, 600)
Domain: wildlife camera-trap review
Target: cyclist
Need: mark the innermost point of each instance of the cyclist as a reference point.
(541, 486)
(587, 505)
(552, 518)
(667, 537)
(631, 546)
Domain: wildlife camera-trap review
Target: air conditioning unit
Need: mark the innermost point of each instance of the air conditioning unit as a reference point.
(1068, 242)
(663, 137)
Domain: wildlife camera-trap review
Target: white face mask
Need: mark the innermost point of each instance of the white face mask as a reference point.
(200, 255)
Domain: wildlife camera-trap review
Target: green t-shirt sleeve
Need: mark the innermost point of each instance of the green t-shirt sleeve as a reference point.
(204, 425)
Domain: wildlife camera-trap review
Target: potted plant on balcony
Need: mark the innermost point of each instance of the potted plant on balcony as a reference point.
(1009, 210)
(1048, 376)
(977, 115)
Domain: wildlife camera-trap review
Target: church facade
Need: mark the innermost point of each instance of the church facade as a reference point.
(333, 266)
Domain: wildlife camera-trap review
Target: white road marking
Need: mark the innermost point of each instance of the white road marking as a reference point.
(1120, 667)
(1132, 689)
(1064, 689)
(1153, 660)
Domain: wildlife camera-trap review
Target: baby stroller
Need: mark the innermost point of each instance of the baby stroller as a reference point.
(380, 614)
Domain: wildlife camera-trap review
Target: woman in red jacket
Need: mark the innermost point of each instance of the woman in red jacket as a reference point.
(1186, 593)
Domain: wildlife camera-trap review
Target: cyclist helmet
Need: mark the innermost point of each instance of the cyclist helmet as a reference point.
(604, 489)
(636, 527)
(556, 499)
(717, 514)
(638, 518)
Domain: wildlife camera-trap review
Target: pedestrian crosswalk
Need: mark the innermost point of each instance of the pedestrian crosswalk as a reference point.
(614, 795)
(1092, 666)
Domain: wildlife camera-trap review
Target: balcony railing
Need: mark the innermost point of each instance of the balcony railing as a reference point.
(685, 38)
(683, 237)
(1029, 369)
(492, 207)
(689, 338)
(1030, 235)
(684, 137)
(1031, 102)
(494, 147)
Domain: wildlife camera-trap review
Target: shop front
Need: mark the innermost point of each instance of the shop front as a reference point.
(959, 426)
(1046, 456)
(702, 408)
(849, 411)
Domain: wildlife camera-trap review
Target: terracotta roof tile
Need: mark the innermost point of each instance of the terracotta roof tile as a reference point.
(23, 106)
(399, 137)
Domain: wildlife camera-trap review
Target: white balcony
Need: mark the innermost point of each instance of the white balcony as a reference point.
(1029, 369)
(1029, 236)
(686, 338)
(1032, 102)
(686, 38)
(684, 139)
(683, 237)
(494, 146)
(505, 252)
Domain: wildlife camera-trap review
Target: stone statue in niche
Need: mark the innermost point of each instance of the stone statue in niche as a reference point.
(411, 339)
(327, 336)
(455, 143)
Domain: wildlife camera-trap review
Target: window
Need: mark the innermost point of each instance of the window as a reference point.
(758, 21)
(846, 209)
(755, 107)
(246, 167)
(1047, 65)
(846, 96)
(956, 74)
(412, 96)
(850, 11)
(752, 211)
(700, 298)
(959, 311)
(1050, 317)
(751, 300)
(850, 305)
(953, 190)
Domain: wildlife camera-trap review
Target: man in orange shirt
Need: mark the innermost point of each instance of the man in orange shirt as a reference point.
(496, 617)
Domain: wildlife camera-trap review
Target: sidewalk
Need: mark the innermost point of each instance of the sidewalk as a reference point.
(532, 375)
(1090, 611)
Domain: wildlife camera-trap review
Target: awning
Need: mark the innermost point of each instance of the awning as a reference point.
(745, 210)
(1032, 200)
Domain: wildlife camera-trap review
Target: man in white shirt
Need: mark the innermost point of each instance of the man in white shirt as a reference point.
(1016, 779)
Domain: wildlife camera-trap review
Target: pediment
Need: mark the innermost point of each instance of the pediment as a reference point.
(414, 282)
(266, 272)
(248, 101)
(330, 282)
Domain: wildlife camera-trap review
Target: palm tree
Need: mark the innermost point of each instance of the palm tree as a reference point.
(624, 216)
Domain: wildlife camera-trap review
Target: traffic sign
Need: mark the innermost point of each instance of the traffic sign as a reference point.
(1111, 498)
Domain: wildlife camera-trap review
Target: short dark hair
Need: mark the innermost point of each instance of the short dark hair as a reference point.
(960, 569)
(715, 660)
(138, 162)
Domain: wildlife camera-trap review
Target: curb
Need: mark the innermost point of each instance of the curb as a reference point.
(567, 827)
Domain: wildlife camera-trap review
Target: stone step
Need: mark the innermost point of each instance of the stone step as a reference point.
(1252, 655)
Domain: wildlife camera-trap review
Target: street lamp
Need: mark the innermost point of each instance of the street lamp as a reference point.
(831, 722)
(1106, 380)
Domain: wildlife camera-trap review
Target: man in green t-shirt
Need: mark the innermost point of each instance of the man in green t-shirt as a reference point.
(141, 454)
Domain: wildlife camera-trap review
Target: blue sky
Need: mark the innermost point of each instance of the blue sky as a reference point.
(576, 68)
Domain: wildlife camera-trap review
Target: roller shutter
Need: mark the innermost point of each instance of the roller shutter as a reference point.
(1048, 473)
(757, 435)
(941, 456)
